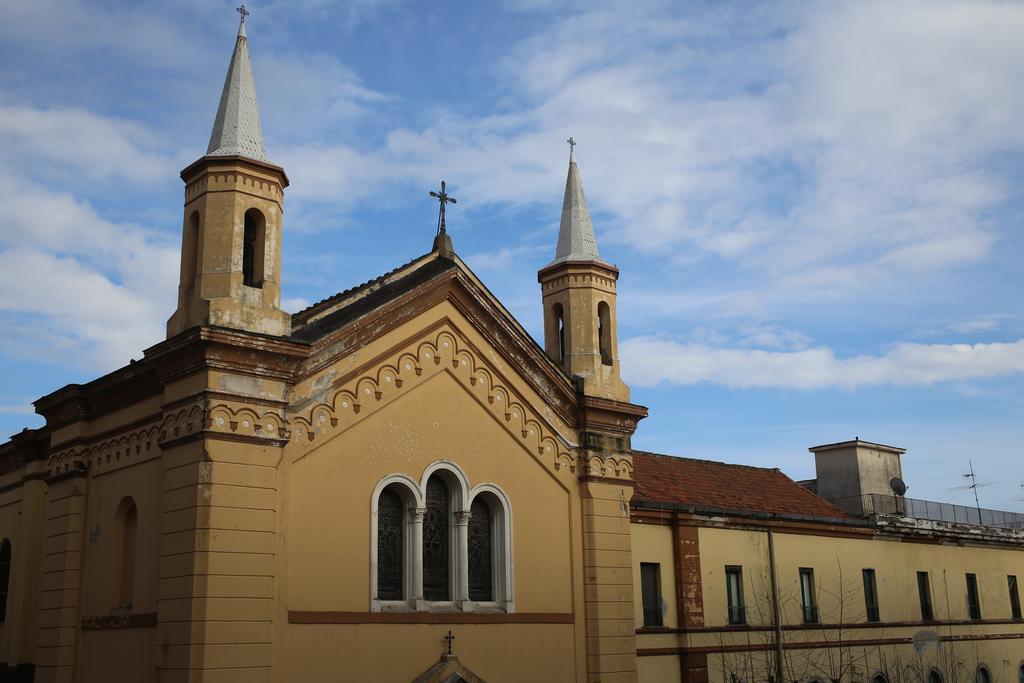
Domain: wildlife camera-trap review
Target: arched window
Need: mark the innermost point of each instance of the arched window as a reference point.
(559, 317)
(128, 515)
(1020, 673)
(390, 545)
(934, 677)
(190, 259)
(604, 332)
(437, 541)
(481, 552)
(982, 675)
(5, 577)
(879, 678)
(253, 248)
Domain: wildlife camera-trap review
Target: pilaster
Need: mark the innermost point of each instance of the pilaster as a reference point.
(60, 583)
(608, 579)
(215, 613)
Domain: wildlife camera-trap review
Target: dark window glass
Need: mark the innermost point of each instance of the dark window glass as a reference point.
(650, 592)
(879, 678)
(249, 252)
(1020, 673)
(5, 577)
(435, 541)
(604, 327)
(870, 595)
(982, 675)
(973, 606)
(560, 322)
(924, 594)
(933, 676)
(807, 597)
(481, 551)
(734, 595)
(390, 545)
(1014, 597)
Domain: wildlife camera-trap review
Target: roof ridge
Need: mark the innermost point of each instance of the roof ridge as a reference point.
(308, 311)
(713, 462)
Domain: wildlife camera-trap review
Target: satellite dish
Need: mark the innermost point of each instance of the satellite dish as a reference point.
(898, 486)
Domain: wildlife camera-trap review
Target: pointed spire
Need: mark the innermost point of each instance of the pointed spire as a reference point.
(236, 130)
(576, 233)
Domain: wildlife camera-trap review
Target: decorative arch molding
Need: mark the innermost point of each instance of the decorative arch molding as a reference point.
(413, 495)
(419, 359)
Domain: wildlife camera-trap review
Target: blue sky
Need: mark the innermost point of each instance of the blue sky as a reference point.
(815, 207)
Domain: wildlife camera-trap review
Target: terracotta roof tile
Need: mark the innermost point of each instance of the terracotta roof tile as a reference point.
(722, 486)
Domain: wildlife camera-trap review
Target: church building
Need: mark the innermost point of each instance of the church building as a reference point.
(399, 483)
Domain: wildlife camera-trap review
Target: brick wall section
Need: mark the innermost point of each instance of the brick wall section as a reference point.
(608, 582)
(215, 611)
(61, 580)
(689, 597)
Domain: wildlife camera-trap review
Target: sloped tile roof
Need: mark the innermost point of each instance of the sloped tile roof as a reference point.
(721, 486)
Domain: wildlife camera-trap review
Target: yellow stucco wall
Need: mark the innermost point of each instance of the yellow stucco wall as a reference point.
(995, 641)
(327, 522)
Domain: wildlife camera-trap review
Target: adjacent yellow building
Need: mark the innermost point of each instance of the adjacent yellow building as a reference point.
(398, 483)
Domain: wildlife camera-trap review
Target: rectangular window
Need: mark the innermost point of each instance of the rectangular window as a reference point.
(734, 594)
(973, 606)
(924, 593)
(807, 597)
(870, 595)
(1014, 597)
(650, 592)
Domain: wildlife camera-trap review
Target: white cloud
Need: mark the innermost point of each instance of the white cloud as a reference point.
(647, 361)
(821, 148)
(92, 292)
(79, 141)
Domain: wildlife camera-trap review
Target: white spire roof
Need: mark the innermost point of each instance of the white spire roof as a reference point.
(576, 233)
(236, 130)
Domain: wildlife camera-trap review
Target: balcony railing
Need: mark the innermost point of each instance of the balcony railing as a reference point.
(876, 504)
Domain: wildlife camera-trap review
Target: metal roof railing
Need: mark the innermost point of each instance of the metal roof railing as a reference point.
(878, 504)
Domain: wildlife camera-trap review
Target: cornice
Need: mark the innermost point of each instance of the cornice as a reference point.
(237, 351)
(210, 162)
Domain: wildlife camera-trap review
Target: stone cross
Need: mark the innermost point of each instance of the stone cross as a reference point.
(572, 145)
(449, 637)
(244, 12)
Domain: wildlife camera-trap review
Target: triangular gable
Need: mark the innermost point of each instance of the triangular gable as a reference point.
(448, 670)
(352, 319)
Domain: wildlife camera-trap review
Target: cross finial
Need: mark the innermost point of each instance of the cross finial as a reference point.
(244, 12)
(449, 638)
(572, 145)
(442, 198)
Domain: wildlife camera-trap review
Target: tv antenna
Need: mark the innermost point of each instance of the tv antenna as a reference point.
(974, 486)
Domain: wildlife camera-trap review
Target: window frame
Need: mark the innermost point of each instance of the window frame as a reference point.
(1013, 587)
(808, 599)
(656, 607)
(924, 596)
(973, 597)
(872, 609)
(461, 498)
(736, 611)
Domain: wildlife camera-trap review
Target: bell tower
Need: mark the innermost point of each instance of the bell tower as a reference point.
(231, 239)
(578, 293)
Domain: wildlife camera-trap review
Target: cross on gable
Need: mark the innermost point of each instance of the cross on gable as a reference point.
(449, 638)
(443, 198)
